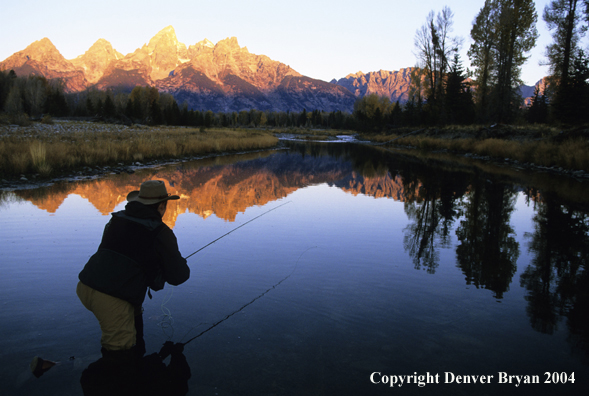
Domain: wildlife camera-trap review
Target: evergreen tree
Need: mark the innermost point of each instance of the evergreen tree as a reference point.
(503, 33)
(90, 107)
(537, 113)
(6, 82)
(35, 92)
(209, 119)
(574, 96)
(100, 107)
(459, 107)
(302, 119)
(174, 116)
(564, 18)
(516, 36)
(56, 104)
(109, 107)
(14, 102)
(155, 113)
(396, 115)
(411, 113)
(481, 57)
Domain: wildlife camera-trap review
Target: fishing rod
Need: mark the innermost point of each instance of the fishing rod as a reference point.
(167, 313)
(40, 366)
(249, 303)
(235, 229)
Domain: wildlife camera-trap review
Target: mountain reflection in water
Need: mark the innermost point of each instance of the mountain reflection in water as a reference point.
(442, 201)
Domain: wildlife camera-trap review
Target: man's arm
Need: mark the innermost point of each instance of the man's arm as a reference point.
(175, 268)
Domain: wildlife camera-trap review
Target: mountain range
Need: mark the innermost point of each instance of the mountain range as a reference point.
(221, 77)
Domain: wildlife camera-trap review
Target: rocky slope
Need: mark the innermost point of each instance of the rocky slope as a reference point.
(95, 61)
(217, 77)
(392, 84)
(42, 58)
(527, 92)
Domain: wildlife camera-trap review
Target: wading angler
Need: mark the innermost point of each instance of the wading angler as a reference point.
(138, 252)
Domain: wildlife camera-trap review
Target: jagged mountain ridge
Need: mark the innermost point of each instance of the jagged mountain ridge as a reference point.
(218, 77)
(396, 85)
(42, 58)
(392, 84)
(96, 60)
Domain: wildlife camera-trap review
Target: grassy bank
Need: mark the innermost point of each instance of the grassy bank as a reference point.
(47, 150)
(538, 145)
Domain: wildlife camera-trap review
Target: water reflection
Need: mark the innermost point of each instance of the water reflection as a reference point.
(556, 280)
(149, 375)
(488, 251)
(446, 204)
(432, 212)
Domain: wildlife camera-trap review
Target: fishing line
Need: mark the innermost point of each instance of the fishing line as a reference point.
(167, 321)
(235, 229)
(252, 301)
(39, 366)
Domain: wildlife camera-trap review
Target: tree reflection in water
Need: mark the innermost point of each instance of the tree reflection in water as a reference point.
(433, 213)
(488, 251)
(556, 280)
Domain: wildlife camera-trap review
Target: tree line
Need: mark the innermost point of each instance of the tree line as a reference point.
(503, 33)
(35, 96)
(442, 91)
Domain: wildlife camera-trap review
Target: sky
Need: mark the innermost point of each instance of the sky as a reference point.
(322, 39)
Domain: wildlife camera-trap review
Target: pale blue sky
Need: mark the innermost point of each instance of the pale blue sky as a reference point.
(320, 39)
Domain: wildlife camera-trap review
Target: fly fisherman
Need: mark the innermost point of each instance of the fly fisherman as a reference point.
(138, 251)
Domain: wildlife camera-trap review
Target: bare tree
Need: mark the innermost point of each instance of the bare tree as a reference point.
(435, 49)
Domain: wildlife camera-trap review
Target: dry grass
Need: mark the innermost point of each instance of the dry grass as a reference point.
(44, 148)
(571, 154)
(524, 144)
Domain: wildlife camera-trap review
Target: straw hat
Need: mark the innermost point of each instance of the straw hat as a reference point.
(151, 192)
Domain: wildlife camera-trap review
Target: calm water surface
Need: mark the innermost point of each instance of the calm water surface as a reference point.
(385, 263)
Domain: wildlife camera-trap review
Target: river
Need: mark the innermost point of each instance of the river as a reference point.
(366, 267)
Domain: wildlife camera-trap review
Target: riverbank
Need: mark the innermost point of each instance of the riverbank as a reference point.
(535, 147)
(67, 148)
(40, 153)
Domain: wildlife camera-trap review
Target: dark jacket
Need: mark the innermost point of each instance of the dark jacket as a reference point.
(137, 251)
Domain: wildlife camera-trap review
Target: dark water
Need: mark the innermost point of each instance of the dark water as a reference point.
(384, 266)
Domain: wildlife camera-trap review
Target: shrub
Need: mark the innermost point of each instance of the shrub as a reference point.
(20, 119)
(47, 119)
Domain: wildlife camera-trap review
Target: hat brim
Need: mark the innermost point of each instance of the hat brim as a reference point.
(133, 196)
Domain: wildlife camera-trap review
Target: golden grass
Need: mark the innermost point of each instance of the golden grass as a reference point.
(572, 154)
(524, 144)
(43, 149)
(39, 158)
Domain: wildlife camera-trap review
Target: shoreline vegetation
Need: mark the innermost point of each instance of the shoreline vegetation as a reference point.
(538, 146)
(41, 151)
